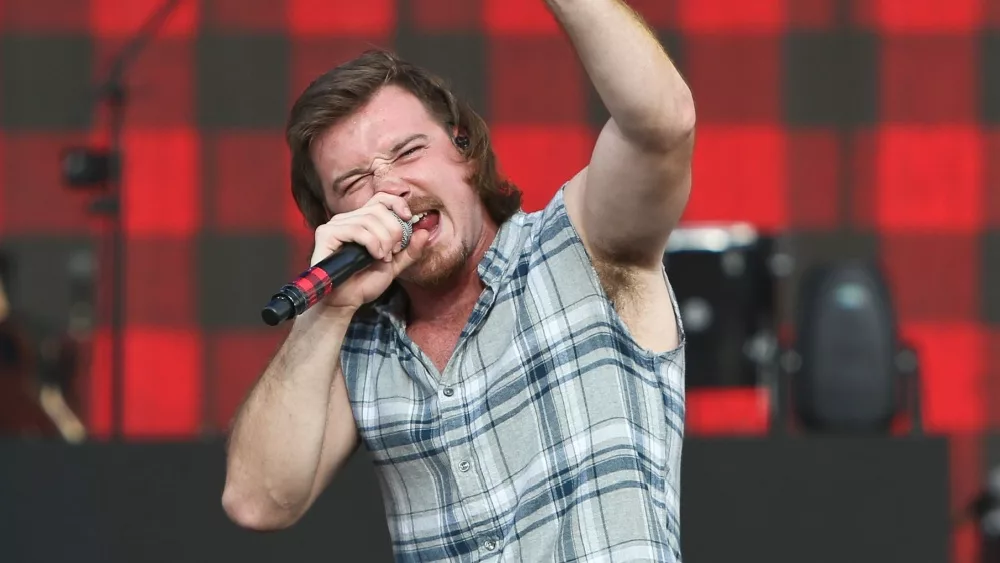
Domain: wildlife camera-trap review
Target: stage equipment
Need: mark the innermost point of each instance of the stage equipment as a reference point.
(100, 169)
(848, 371)
(725, 276)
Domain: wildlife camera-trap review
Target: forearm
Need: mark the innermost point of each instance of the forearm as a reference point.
(278, 436)
(646, 96)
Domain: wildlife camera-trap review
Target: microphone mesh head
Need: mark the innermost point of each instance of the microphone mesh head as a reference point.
(407, 231)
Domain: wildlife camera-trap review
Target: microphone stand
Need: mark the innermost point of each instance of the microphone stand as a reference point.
(114, 93)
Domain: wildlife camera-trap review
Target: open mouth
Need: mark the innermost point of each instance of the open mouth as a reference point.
(427, 221)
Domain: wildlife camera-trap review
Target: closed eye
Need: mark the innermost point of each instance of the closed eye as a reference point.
(354, 182)
(410, 151)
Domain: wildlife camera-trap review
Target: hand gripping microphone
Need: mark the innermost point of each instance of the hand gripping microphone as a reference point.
(318, 281)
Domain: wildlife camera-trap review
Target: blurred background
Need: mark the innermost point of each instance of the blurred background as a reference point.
(838, 266)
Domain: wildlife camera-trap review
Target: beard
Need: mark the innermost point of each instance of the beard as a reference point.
(436, 269)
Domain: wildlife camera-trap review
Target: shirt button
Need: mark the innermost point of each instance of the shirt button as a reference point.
(448, 391)
(464, 466)
(490, 544)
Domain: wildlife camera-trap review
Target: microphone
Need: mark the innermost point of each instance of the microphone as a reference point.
(318, 281)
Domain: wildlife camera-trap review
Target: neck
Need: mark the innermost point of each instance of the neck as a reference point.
(454, 299)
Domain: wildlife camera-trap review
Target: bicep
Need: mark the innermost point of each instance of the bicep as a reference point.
(627, 201)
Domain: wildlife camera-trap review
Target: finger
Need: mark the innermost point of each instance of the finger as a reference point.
(360, 234)
(380, 228)
(325, 243)
(411, 253)
(391, 222)
(393, 203)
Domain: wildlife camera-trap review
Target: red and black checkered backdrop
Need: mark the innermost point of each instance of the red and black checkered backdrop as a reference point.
(854, 127)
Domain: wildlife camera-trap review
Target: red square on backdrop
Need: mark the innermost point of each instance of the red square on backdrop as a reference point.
(761, 16)
(126, 17)
(814, 179)
(161, 86)
(727, 412)
(812, 14)
(163, 383)
(99, 398)
(348, 17)
(930, 178)
(311, 57)
(249, 15)
(925, 15)
(541, 159)
(930, 79)
(933, 276)
(447, 15)
(236, 360)
(159, 283)
(162, 188)
(249, 175)
(740, 174)
(35, 199)
(658, 14)
(745, 88)
(993, 377)
(952, 375)
(44, 15)
(992, 17)
(518, 17)
(536, 80)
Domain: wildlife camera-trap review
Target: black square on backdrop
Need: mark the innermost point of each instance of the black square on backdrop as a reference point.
(49, 272)
(990, 62)
(47, 82)
(238, 274)
(242, 81)
(992, 447)
(460, 59)
(809, 249)
(989, 264)
(597, 114)
(831, 78)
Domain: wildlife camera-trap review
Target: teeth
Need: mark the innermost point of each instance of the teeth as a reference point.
(416, 218)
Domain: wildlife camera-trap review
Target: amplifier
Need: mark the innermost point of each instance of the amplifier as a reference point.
(724, 276)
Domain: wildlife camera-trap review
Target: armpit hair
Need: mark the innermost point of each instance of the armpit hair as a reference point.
(620, 284)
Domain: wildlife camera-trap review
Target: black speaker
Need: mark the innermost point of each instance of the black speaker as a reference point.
(724, 280)
(850, 365)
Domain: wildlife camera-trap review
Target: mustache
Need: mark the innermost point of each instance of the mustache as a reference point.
(420, 204)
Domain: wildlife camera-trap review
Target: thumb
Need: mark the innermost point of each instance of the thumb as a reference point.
(411, 253)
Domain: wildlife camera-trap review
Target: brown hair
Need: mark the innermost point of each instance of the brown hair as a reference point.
(344, 89)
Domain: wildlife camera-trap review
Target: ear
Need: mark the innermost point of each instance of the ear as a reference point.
(460, 138)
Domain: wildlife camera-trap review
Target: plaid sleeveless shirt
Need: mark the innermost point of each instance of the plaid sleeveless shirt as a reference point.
(550, 436)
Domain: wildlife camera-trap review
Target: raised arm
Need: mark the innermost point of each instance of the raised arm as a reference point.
(632, 194)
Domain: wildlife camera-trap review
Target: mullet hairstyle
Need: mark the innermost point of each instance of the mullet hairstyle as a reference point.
(343, 90)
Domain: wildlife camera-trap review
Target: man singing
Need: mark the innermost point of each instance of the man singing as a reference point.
(518, 378)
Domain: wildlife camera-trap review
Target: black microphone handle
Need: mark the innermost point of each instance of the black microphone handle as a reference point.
(316, 283)
(349, 259)
(319, 280)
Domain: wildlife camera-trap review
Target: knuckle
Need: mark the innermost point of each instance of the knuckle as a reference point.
(324, 233)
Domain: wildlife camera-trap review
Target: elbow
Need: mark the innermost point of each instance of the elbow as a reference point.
(256, 514)
(667, 128)
(678, 123)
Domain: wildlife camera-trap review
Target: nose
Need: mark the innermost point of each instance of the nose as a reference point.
(386, 181)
